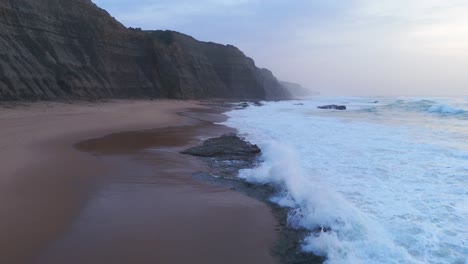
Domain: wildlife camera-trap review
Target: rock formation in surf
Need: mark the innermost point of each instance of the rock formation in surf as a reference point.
(72, 49)
(336, 107)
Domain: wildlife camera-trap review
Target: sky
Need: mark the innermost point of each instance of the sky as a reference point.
(337, 47)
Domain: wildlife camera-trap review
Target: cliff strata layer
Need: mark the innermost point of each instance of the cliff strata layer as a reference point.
(72, 49)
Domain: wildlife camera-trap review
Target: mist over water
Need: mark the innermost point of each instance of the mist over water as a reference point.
(390, 178)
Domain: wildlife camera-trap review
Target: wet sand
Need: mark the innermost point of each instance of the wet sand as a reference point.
(123, 196)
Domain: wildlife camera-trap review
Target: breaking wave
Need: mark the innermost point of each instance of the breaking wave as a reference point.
(428, 106)
(338, 230)
(370, 190)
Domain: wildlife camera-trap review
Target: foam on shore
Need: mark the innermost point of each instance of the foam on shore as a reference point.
(370, 188)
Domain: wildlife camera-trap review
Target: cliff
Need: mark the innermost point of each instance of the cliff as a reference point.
(298, 91)
(56, 49)
(205, 69)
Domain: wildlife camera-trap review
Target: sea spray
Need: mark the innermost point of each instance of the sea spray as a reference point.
(446, 110)
(332, 221)
(383, 186)
(428, 107)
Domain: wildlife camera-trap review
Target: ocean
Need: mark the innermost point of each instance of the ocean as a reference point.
(383, 182)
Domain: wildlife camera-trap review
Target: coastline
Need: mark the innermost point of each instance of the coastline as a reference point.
(57, 197)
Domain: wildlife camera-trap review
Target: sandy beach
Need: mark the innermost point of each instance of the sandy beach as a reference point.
(104, 183)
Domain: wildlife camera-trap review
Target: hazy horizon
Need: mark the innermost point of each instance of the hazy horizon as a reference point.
(336, 47)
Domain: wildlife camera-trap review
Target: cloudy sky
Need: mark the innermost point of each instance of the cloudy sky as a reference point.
(339, 47)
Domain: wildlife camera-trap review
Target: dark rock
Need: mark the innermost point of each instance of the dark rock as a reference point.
(72, 49)
(257, 103)
(299, 104)
(226, 156)
(375, 102)
(226, 147)
(243, 105)
(319, 230)
(246, 104)
(336, 107)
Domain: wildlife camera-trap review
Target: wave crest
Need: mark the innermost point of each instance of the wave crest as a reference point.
(430, 107)
(338, 230)
(446, 110)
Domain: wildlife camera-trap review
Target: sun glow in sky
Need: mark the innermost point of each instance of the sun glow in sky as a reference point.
(339, 47)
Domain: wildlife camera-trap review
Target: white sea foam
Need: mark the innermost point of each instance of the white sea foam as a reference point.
(446, 110)
(430, 106)
(391, 192)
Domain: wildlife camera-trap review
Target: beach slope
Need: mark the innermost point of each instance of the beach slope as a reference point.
(119, 197)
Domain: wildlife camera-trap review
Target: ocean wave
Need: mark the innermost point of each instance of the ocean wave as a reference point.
(368, 191)
(429, 107)
(420, 105)
(337, 228)
(446, 110)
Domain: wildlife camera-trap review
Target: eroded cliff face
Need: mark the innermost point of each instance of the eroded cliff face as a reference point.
(298, 91)
(70, 48)
(53, 49)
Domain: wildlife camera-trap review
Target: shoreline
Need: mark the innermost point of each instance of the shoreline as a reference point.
(225, 156)
(47, 210)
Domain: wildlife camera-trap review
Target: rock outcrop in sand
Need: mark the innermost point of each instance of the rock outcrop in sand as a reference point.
(59, 49)
(227, 147)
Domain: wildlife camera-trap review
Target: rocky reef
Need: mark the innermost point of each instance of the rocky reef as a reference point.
(226, 156)
(72, 49)
(334, 107)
